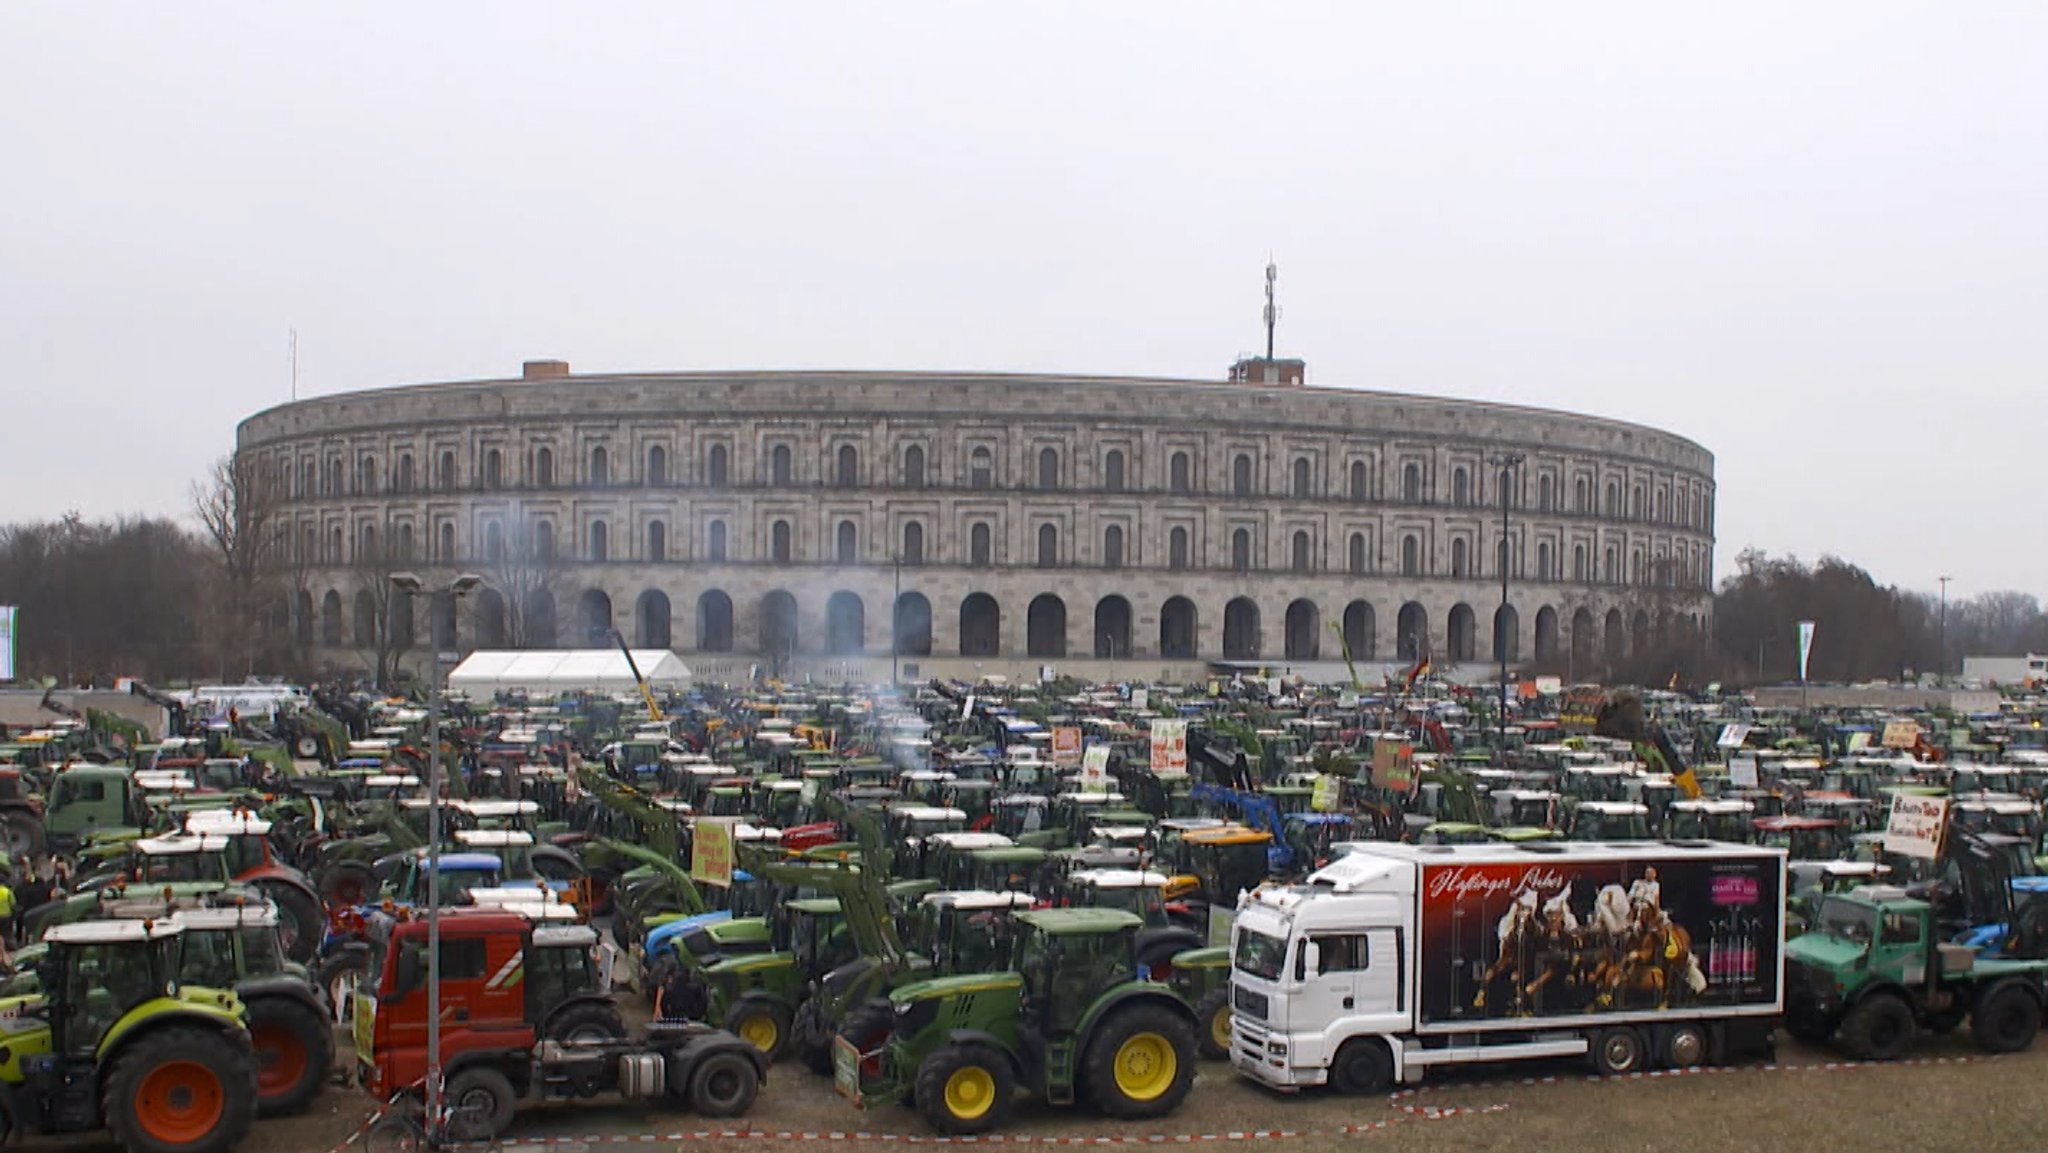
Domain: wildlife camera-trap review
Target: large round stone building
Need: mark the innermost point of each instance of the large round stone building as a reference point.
(829, 523)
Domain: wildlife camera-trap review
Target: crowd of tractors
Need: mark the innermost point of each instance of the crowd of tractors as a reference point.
(945, 896)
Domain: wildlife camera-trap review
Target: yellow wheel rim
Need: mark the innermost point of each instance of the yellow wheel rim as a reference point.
(759, 1030)
(1145, 1066)
(1219, 1027)
(970, 1092)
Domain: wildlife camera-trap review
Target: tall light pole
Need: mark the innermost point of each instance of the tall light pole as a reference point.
(1941, 658)
(896, 624)
(1506, 463)
(412, 586)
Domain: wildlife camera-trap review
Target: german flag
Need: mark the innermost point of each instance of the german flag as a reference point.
(1420, 671)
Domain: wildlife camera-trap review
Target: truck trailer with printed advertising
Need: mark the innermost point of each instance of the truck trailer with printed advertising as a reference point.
(1397, 958)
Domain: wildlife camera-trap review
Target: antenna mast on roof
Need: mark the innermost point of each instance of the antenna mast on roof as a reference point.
(295, 364)
(1272, 310)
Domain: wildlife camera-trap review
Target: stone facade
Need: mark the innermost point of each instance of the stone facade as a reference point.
(1155, 524)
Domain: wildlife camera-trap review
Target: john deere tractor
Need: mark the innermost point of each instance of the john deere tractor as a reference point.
(115, 1040)
(1069, 1018)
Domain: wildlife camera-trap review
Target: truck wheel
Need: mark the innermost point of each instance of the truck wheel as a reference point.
(585, 1025)
(181, 1090)
(1617, 1052)
(22, 835)
(965, 1089)
(723, 1085)
(1140, 1063)
(480, 1102)
(2006, 1021)
(762, 1024)
(1212, 1024)
(1686, 1046)
(300, 922)
(294, 1045)
(1808, 1028)
(1362, 1069)
(1878, 1028)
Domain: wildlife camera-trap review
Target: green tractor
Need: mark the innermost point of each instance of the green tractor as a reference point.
(1872, 972)
(1068, 1018)
(116, 1040)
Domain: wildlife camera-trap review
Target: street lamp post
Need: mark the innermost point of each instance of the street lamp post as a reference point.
(1941, 658)
(1506, 463)
(411, 585)
(896, 625)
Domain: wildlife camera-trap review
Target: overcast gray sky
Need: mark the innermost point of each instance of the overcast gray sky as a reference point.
(1810, 236)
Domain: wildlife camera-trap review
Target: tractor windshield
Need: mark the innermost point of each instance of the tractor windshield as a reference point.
(174, 868)
(1847, 921)
(261, 953)
(207, 959)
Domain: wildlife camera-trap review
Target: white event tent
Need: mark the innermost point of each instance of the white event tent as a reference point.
(549, 671)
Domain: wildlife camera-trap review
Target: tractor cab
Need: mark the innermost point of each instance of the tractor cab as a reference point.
(1802, 838)
(97, 973)
(460, 872)
(1723, 820)
(940, 854)
(1021, 814)
(909, 825)
(1134, 891)
(181, 858)
(1216, 864)
(224, 945)
(1529, 808)
(1004, 869)
(1609, 821)
(967, 930)
(561, 966)
(1067, 958)
(1310, 836)
(1598, 783)
(925, 786)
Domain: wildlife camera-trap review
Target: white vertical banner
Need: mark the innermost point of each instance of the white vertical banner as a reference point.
(1805, 646)
(8, 614)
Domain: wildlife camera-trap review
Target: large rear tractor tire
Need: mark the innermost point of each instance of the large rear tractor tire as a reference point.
(346, 884)
(586, 1024)
(2006, 1021)
(966, 1089)
(1140, 1063)
(338, 977)
(21, 834)
(1878, 1028)
(300, 920)
(181, 1089)
(294, 1045)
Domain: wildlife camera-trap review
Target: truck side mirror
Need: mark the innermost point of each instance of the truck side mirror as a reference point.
(408, 975)
(1311, 961)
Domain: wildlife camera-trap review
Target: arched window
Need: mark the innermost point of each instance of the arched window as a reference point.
(494, 469)
(600, 467)
(1543, 560)
(366, 543)
(1358, 480)
(544, 540)
(405, 542)
(1048, 468)
(657, 541)
(1458, 557)
(1357, 554)
(600, 546)
(366, 475)
(979, 548)
(1113, 547)
(1610, 572)
(1578, 562)
(848, 473)
(1048, 546)
(847, 543)
(981, 468)
(1543, 494)
(913, 543)
(1411, 556)
(447, 541)
(715, 466)
(1113, 471)
(779, 468)
(494, 542)
(913, 466)
(1500, 556)
(445, 477)
(1663, 502)
(1411, 482)
(1579, 497)
(1177, 548)
(1241, 475)
(1635, 503)
(1300, 559)
(1613, 505)
(714, 544)
(1241, 550)
(544, 467)
(1301, 477)
(778, 542)
(1179, 474)
(405, 472)
(657, 466)
(1461, 488)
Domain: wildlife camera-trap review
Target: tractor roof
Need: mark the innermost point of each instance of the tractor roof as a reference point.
(814, 906)
(1079, 922)
(972, 899)
(259, 916)
(467, 862)
(176, 843)
(112, 932)
(1117, 878)
(493, 838)
(228, 822)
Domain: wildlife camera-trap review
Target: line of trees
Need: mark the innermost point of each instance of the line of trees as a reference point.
(230, 595)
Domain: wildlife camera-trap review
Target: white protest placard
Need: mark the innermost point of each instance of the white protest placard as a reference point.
(1732, 736)
(1742, 772)
(1347, 699)
(1915, 827)
(1066, 746)
(1141, 699)
(1901, 735)
(1095, 769)
(967, 707)
(1169, 745)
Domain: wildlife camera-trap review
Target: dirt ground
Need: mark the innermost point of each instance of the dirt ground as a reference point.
(1949, 1099)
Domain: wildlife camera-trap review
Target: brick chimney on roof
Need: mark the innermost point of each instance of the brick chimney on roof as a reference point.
(544, 370)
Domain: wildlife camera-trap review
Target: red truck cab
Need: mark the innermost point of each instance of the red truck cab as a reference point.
(483, 996)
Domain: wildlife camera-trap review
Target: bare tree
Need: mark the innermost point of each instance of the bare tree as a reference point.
(523, 574)
(239, 505)
(393, 625)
